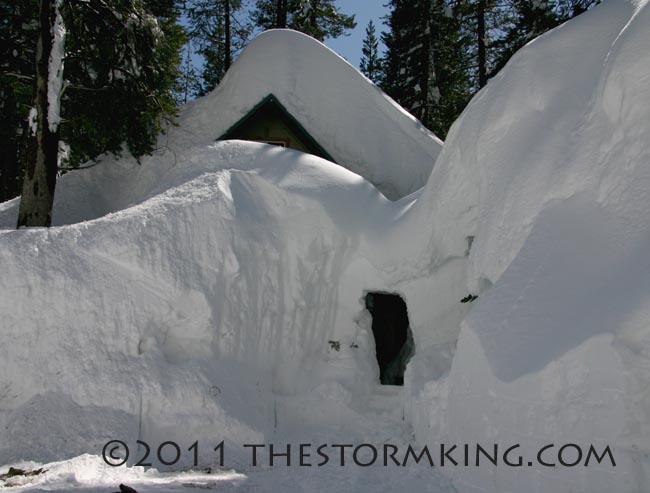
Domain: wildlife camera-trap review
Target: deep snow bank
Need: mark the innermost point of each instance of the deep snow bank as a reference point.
(206, 312)
(143, 312)
(555, 187)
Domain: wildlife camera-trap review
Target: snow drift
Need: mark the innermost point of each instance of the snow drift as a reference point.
(555, 188)
(205, 312)
(361, 127)
(208, 289)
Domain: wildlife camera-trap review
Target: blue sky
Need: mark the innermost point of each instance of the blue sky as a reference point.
(365, 10)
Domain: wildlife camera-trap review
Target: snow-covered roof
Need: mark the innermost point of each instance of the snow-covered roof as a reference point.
(356, 122)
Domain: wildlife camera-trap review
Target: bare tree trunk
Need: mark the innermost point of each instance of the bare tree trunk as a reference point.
(43, 142)
(281, 14)
(428, 72)
(227, 55)
(482, 64)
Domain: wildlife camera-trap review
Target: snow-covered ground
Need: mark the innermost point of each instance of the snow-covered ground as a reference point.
(194, 296)
(378, 422)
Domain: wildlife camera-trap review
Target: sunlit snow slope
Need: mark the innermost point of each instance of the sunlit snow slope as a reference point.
(549, 168)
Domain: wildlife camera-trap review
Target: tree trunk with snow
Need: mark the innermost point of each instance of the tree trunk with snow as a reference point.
(43, 141)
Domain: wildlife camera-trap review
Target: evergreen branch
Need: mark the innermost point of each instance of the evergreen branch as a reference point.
(19, 76)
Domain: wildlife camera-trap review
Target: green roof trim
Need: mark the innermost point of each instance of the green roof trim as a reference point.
(297, 127)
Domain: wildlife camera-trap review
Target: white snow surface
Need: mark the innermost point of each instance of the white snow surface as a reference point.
(549, 169)
(195, 297)
(361, 127)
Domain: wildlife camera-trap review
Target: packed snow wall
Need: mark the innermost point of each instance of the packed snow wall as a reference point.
(197, 306)
(220, 299)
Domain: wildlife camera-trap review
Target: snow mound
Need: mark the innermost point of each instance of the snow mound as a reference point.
(362, 128)
(204, 312)
(160, 293)
(212, 304)
(555, 189)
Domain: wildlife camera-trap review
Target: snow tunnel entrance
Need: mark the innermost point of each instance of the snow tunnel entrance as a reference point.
(393, 338)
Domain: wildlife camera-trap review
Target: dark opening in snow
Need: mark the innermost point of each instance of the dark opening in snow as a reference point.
(393, 338)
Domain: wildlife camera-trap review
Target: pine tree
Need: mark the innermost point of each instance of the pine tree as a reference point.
(18, 35)
(494, 31)
(484, 24)
(318, 18)
(397, 41)
(424, 69)
(189, 84)
(528, 20)
(321, 19)
(218, 34)
(568, 9)
(440, 52)
(370, 64)
(270, 14)
(117, 74)
(451, 82)
(122, 64)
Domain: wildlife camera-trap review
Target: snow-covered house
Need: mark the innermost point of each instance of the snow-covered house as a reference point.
(270, 122)
(289, 89)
